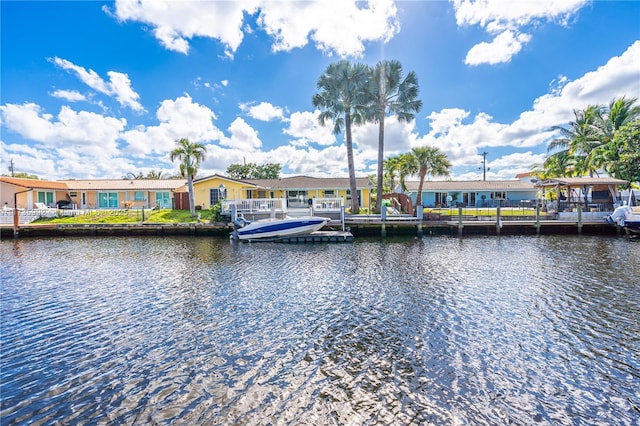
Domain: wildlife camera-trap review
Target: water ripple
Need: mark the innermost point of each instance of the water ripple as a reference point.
(437, 331)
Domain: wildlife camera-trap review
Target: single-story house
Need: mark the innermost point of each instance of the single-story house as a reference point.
(484, 193)
(297, 190)
(26, 193)
(89, 193)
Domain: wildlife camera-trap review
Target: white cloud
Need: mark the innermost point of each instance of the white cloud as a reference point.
(338, 26)
(243, 137)
(175, 22)
(264, 111)
(118, 85)
(462, 136)
(505, 20)
(75, 143)
(82, 129)
(179, 118)
(501, 49)
(304, 127)
(289, 23)
(69, 95)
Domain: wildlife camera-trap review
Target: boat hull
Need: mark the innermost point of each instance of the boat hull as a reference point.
(632, 224)
(278, 228)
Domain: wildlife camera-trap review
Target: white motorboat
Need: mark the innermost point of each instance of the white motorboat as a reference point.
(624, 216)
(277, 228)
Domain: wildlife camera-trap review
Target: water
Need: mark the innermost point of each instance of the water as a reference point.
(522, 330)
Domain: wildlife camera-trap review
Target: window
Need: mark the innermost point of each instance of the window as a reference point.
(469, 198)
(441, 198)
(73, 194)
(107, 200)
(138, 196)
(214, 196)
(163, 200)
(329, 193)
(359, 194)
(297, 198)
(499, 195)
(45, 197)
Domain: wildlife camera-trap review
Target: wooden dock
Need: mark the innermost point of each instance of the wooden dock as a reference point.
(353, 227)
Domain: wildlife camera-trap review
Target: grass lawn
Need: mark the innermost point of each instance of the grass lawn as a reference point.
(129, 216)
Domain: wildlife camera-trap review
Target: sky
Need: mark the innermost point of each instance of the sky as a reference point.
(97, 89)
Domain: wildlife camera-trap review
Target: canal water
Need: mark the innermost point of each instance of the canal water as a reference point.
(443, 331)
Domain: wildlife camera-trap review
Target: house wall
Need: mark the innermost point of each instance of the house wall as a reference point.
(238, 191)
(429, 198)
(25, 200)
(125, 199)
(234, 191)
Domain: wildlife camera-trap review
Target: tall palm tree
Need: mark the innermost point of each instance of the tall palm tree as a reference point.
(579, 138)
(428, 160)
(190, 154)
(392, 95)
(586, 143)
(619, 113)
(341, 99)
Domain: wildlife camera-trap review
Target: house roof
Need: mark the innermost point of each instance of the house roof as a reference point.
(123, 184)
(308, 182)
(34, 183)
(471, 185)
(221, 177)
(581, 181)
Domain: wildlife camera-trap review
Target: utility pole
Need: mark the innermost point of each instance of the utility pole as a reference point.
(11, 166)
(484, 165)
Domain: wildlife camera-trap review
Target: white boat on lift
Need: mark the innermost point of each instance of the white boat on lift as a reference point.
(272, 228)
(625, 217)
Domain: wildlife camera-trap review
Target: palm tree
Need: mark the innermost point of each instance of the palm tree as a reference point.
(428, 160)
(391, 95)
(341, 99)
(620, 112)
(579, 138)
(586, 143)
(153, 174)
(190, 156)
(391, 169)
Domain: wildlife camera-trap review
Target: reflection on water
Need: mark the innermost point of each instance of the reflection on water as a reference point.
(434, 331)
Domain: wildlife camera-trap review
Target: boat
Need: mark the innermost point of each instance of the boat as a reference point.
(625, 217)
(273, 228)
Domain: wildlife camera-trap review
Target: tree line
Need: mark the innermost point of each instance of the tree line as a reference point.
(600, 138)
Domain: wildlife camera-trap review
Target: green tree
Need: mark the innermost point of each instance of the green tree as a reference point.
(626, 143)
(153, 174)
(190, 155)
(578, 139)
(131, 175)
(586, 145)
(21, 175)
(390, 95)
(342, 100)
(427, 160)
(399, 166)
(391, 170)
(254, 171)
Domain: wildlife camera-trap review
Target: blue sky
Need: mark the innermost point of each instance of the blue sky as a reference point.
(93, 89)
